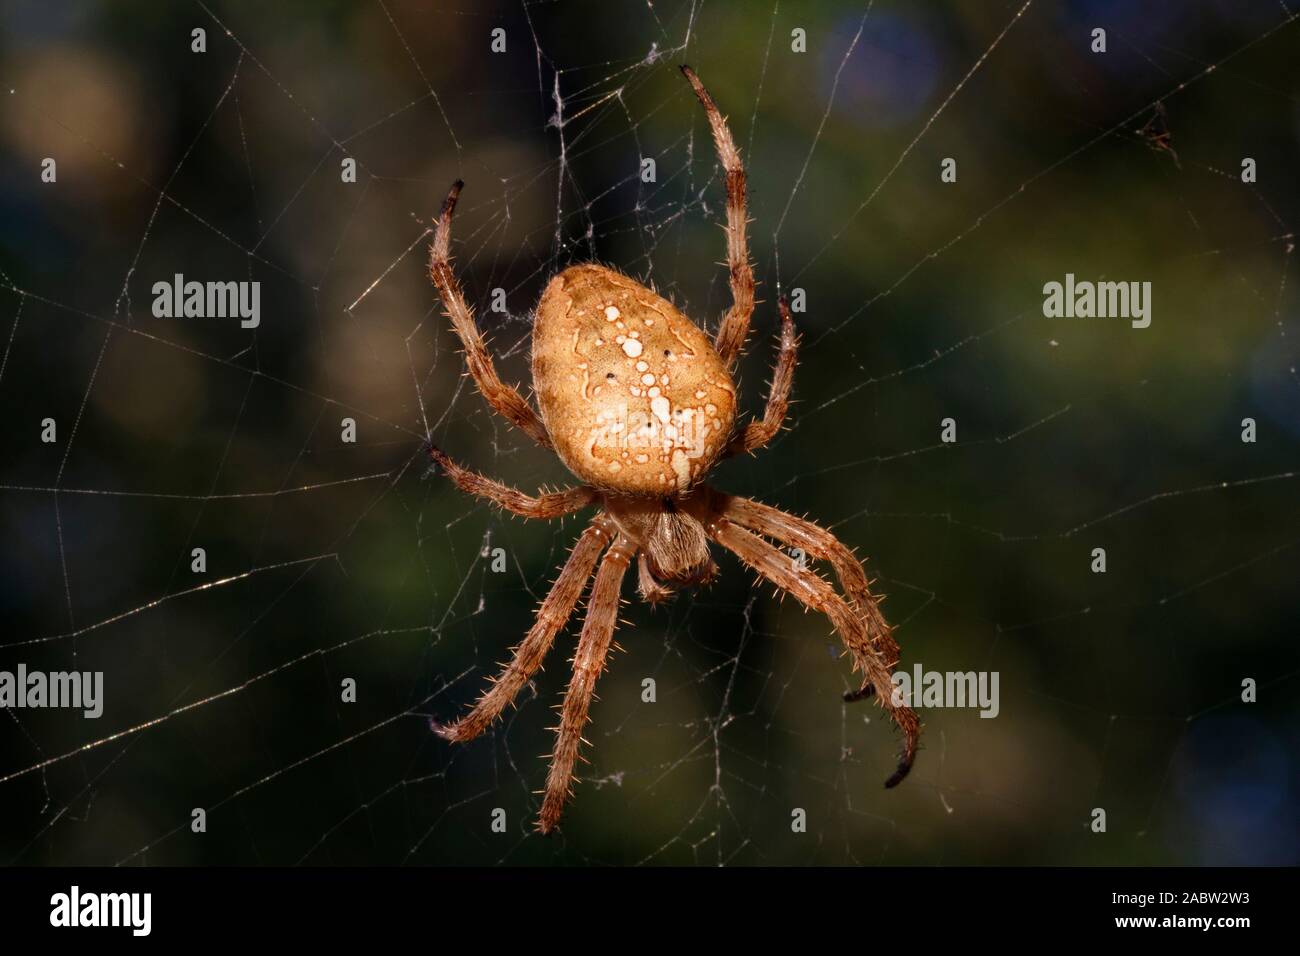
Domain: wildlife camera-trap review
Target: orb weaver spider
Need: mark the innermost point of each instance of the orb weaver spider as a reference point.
(639, 404)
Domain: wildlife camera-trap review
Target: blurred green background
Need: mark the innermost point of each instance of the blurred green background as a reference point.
(329, 560)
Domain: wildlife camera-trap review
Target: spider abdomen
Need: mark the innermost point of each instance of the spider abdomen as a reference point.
(632, 392)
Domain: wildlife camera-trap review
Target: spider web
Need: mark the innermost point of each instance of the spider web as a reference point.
(330, 560)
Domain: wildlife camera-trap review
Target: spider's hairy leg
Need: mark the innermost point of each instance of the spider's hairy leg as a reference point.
(730, 339)
(505, 399)
(554, 612)
(551, 504)
(811, 590)
(652, 590)
(757, 434)
(862, 693)
(588, 662)
(819, 543)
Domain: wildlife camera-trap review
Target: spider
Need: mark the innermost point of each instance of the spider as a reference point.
(1157, 135)
(639, 404)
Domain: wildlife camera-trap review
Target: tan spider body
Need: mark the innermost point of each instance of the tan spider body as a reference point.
(640, 405)
(632, 393)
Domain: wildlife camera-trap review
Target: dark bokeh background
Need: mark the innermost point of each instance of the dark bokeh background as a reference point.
(329, 560)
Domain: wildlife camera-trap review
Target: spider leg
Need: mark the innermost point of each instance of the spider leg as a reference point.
(505, 399)
(554, 612)
(811, 590)
(552, 504)
(819, 543)
(862, 693)
(652, 590)
(757, 434)
(588, 662)
(730, 339)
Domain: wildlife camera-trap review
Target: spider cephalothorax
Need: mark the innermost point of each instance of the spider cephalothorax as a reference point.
(640, 404)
